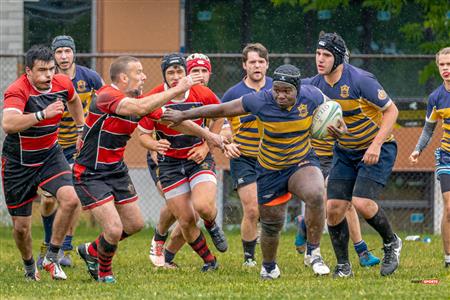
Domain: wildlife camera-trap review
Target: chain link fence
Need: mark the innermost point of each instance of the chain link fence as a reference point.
(412, 197)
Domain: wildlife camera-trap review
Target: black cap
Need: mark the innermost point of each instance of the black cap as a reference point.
(334, 43)
(170, 60)
(287, 74)
(63, 41)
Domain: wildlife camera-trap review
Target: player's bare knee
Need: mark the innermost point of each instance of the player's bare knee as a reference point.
(22, 229)
(187, 221)
(252, 214)
(314, 199)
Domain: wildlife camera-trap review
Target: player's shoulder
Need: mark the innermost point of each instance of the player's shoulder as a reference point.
(86, 73)
(62, 81)
(309, 90)
(200, 89)
(358, 75)
(107, 89)
(236, 91)
(21, 84)
(438, 93)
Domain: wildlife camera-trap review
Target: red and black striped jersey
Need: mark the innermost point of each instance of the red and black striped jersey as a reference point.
(106, 133)
(32, 146)
(180, 143)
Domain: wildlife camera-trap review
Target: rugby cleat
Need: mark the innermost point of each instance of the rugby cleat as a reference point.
(210, 266)
(218, 237)
(391, 259)
(250, 263)
(156, 254)
(367, 259)
(90, 261)
(54, 268)
(343, 271)
(274, 274)
(171, 265)
(315, 261)
(66, 259)
(107, 279)
(42, 252)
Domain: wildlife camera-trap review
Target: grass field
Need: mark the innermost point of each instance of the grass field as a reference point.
(137, 279)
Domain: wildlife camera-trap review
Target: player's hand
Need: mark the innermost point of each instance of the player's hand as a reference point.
(54, 109)
(339, 130)
(173, 116)
(188, 81)
(78, 144)
(231, 150)
(372, 154)
(214, 140)
(414, 157)
(198, 154)
(162, 146)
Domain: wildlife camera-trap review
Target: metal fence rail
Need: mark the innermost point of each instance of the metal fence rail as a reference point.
(410, 197)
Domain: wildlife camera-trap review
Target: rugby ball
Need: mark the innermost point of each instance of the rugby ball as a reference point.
(328, 113)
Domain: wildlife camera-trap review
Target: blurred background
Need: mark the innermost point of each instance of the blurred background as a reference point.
(395, 40)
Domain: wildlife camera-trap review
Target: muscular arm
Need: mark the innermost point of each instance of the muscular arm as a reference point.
(76, 110)
(425, 137)
(387, 123)
(14, 122)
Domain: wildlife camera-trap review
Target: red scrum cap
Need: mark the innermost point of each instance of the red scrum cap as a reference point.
(198, 60)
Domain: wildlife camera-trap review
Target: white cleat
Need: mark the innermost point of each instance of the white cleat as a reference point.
(54, 268)
(315, 261)
(250, 263)
(274, 274)
(156, 254)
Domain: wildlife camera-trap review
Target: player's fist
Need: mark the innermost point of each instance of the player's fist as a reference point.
(54, 109)
(414, 157)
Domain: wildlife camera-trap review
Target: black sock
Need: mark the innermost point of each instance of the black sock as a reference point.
(48, 225)
(168, 256)
(52, 252)
(29, 265)
(269, 266)
(381, 224)
(340, 236)
(249, 249)
(160, 237)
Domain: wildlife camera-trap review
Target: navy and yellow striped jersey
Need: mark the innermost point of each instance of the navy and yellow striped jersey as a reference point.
(323, 147)
(85, 82)
(245, 127)
(285, 133)
(363, 101)
(438, 107)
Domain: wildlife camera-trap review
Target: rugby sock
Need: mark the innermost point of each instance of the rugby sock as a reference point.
(340, 236)
(381, 224)
(200, 246)
(269, 266)
(168, 256)
(29, 265)
(310, 247)
(360, 247)
(52, 252)
(160, 237)
(48, 224)
(67, 244)
(106, 253)
(249, 249)
(92, 249)
(124, 235)
(447, 258)
(303, 226)
(209, 224)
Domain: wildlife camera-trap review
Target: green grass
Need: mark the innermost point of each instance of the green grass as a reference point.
(137, 279)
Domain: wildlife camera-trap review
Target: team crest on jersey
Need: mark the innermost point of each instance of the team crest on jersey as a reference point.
(81, 86)
(131, 188)
(205, 166)
(382, 95)
(303, 109)
(345, 91)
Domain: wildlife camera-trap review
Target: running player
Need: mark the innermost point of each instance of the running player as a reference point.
(100, 175)
(186, 171)
(32, 157)
(286, 162)
(85, 82)
(363, 157)
(255, 62)
(437, 108)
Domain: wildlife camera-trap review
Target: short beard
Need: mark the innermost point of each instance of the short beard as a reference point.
(134, 93)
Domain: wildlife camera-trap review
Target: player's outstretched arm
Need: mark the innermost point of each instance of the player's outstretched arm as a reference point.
(424, 140)
(14, 121)
(143, 106)
(191, 128)
(229, 109)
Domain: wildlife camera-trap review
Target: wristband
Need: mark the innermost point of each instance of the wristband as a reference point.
(80, 128)
(39, 115)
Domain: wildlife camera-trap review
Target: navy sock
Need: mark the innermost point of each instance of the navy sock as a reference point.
(29, 265)
(168, 256)
(160, 237)
(48, 224)
(249, 249)
(269, 266)
(360, 247)
(67, 244)
(310, 247)
(381, 224)
(340, 236)
(52, 252)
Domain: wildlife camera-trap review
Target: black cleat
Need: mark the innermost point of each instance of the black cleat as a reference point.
(391, 259)
(343, 271)
(218, 237)
(91, 261)
(210, 266)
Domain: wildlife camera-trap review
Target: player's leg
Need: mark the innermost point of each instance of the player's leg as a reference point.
(445, 222)
(166, 219)
(368, 186)
(47, 209)
(307, 183)
(243, 174)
